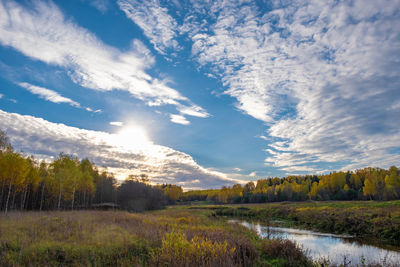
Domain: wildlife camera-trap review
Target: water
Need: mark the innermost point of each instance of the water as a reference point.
(329, 246)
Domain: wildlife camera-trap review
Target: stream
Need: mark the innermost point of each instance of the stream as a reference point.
(335, 248)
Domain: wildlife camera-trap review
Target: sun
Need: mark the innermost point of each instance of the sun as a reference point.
(132, 138)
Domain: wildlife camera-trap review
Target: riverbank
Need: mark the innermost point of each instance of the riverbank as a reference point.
(379, 221)
(337, 249)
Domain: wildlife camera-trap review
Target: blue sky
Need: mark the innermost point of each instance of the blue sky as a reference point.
(203, 93)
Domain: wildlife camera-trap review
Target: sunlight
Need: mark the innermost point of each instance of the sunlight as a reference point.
(131, 138)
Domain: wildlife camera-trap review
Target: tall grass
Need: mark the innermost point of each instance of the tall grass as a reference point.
(93, 238)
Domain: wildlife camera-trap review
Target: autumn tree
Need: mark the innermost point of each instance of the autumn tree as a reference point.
(13, 169)
(392, 183)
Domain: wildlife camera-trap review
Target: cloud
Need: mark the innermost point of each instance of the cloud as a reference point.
(41, 32)
(193, 110)
(322, 76)
(116, 123)
(48, 94)
(100, 5)
(1, 96)
(179, 119)
(95, 111)
(53, 96)
(154, 20)
(299, 169)
(253, 174)
(163, 164)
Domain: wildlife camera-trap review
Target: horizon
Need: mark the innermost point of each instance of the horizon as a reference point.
(203, 95)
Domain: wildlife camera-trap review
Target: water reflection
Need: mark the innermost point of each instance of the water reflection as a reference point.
(328, 246)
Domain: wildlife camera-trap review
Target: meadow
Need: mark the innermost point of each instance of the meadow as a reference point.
(171, 237)
(195, 235)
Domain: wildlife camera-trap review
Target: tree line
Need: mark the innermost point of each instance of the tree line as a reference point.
(70, 183)
(363, 184)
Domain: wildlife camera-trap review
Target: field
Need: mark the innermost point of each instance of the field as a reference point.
(195, 235)
(172, 237)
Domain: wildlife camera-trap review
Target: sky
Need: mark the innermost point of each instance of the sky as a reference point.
(203, 94)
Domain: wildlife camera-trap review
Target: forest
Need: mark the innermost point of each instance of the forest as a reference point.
(363, 184)
(70, 183)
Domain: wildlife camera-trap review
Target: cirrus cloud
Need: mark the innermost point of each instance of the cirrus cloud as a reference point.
(41, 32)
(323, 76)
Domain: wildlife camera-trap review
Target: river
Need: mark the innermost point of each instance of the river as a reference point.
(335, 248)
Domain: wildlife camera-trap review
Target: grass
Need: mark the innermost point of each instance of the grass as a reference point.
(172, 237)
(177, 236)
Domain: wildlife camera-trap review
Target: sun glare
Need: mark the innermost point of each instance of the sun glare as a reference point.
(131, 137)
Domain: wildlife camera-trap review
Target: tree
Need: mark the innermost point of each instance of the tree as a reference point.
(355, 181)
(44, 180)
(4, 142)
(31, 181)
(14, 169)
(66, 173)
(392, 183)
(173, 192)
(136, 196)
(86, 179)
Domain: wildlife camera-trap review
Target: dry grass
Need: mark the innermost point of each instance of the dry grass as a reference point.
(285, 249)
(98, 238)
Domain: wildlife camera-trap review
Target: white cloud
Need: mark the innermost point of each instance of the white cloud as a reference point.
(299, 169)
(154, 20)
(42, 32)
(95, 111)
(1, 96)
(100, 5)
(179, 119)
(193, 110)
(253, 174)
(163, 164)
(321, 75)
(53, 96)
(48, 94)
(116, 123)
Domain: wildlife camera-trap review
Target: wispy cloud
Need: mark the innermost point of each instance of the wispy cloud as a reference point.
(163, 164)
(1, 96)
(116, 123)
(154, 20)
(95, 111)
(322, 76)
(53, 96)
(48, 94)
(179, 119)
(43, 33)
(100, 5)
